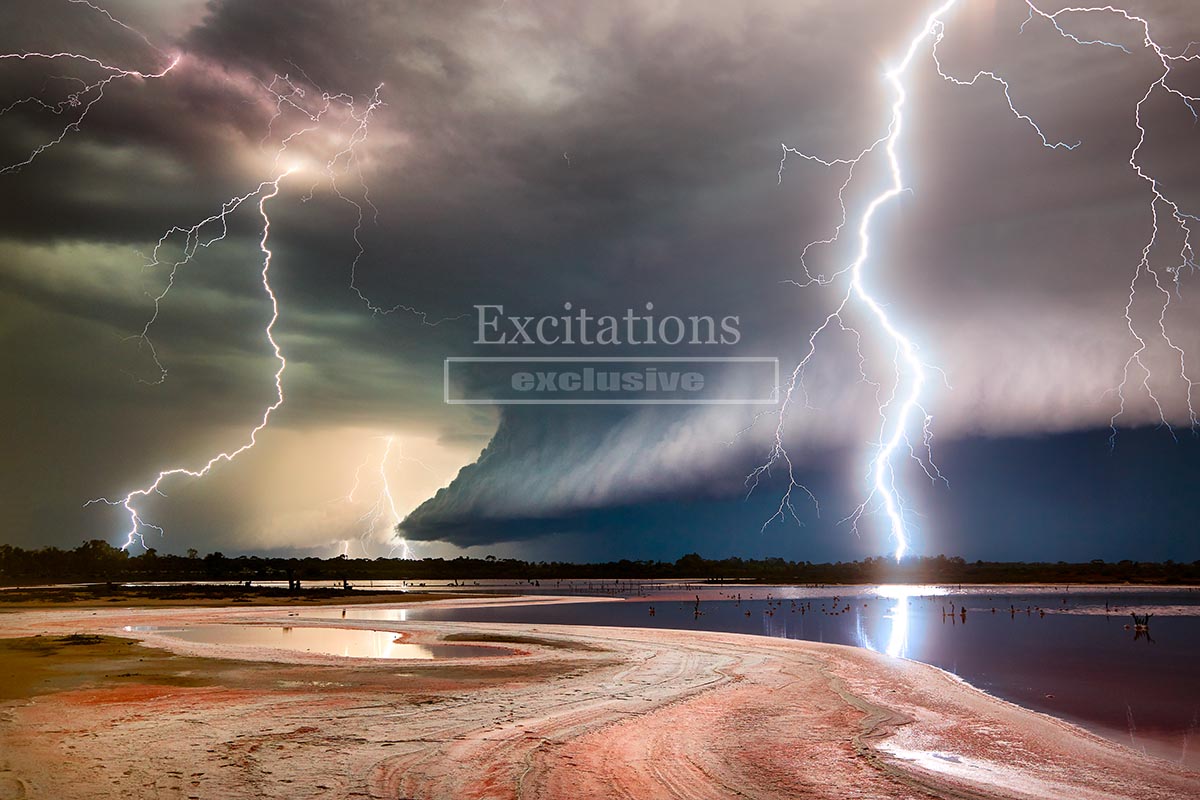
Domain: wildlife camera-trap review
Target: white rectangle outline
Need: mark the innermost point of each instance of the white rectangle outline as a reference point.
(774, 400)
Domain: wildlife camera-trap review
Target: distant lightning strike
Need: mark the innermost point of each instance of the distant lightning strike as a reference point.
(383, 512)
(1159, 201)
(215, 228)
(80, 101)
(350, 161)
(316, 116)
(266, 192)
(321, 113)
(898, 411)
(902, 406)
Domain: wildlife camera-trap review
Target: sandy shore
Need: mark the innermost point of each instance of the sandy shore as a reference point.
(574, 712)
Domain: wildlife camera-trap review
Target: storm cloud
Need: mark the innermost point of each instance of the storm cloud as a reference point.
(534, 154)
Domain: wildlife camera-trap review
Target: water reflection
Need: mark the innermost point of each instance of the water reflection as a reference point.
(360, 612)
(897, 617)
(1141, 627)
(1066, 651)
(346, 642)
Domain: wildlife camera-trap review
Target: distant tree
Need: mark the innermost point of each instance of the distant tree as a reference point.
(692, 564)
(214, 565)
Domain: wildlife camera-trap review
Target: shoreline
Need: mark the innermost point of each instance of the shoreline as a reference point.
(198, 595)
(1171, 744)
(593, 712)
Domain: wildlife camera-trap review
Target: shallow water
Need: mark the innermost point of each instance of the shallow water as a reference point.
(1080, 660)
(326, 641)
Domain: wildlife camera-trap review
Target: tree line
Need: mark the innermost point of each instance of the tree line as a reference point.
(98, 561)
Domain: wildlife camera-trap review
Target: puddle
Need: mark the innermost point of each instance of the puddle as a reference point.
(326, 641)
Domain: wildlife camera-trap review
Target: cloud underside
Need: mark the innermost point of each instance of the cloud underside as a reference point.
(532, 154)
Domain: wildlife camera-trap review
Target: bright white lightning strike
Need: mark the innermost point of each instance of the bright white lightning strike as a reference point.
(903, 406)
(899, 410)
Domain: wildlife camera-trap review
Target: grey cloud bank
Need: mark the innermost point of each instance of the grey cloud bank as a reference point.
(1010, 263)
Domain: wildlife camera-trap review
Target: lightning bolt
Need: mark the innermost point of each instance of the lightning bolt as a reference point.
(905, 424)
(76, 105)
(318, 112)
(383, 512)
(215, 228)
(903, 416)
(288, 93)
(265, 192)
(1160, 203)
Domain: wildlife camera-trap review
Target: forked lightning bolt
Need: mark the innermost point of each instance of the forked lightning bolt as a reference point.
(265, 192)
(76, 104)
(317, 111)
(339, 119)
(383, 511)
(289, 93)
(902, 413)
(1160, 202)
(316, 116)
(904, 421)
(321, 113)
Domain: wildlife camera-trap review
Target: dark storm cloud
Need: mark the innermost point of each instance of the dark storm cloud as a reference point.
(531, 154)
(586, 460)
(1020, 498)
(1047, 367)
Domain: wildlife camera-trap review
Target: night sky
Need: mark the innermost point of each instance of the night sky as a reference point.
(612, 154)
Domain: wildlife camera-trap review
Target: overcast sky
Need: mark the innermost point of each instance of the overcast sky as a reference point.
(607, 154)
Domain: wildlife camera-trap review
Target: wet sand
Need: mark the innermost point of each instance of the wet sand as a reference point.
(576, 712)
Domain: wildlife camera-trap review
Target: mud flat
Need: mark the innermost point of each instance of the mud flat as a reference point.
(89, 709)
